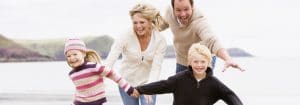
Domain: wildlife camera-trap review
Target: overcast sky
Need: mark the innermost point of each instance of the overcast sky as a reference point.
(260, 26)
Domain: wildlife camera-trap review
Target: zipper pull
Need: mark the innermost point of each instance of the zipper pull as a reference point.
(198, 84)
(142, 58)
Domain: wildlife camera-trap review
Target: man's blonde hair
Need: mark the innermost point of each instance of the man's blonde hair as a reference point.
(148, 12)
(198, 49)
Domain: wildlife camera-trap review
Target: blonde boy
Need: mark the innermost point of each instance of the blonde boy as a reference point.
(194, 86)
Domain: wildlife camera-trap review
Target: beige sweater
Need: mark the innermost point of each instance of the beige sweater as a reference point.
(138, 67)
(198, 30)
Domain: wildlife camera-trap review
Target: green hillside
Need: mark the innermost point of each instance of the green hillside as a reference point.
(54, 47)
(5, 43)
(11, 51)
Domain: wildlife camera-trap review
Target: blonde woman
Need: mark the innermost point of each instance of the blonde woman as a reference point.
(143, 49)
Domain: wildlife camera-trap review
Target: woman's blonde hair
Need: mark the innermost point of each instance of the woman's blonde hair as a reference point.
(148, 12)
(198, 49)
(92, 56)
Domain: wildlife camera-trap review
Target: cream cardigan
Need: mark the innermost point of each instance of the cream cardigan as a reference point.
(138, 67)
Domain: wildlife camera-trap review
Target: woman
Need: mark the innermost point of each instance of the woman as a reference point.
(143, 49)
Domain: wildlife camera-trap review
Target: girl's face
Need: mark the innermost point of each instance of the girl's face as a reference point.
(141, 26)
(75, 58)
(199, 64)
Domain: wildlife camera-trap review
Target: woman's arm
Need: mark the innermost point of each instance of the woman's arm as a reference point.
(157, 61)
(115, 51)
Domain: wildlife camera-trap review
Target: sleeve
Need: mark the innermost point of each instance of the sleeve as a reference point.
(111, 74)
(165, 24)
(207, 36)
(115, 51)
(159, 87)
(227, 95)
(157, 60)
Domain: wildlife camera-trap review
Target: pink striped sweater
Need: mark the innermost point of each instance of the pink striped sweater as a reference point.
(88, 80)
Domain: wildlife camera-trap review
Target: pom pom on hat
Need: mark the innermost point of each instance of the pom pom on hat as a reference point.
(74, 43)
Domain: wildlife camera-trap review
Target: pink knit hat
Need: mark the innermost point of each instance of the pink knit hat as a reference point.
(74, 43)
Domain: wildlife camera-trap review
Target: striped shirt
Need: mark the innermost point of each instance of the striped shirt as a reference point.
(88, 81)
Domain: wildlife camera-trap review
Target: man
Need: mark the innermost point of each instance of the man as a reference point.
(189, 26)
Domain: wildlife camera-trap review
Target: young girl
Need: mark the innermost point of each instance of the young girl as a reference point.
(87, 74)
(194, 86)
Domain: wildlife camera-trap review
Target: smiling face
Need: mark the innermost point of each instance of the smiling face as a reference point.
(183, 11)
(199, 64)
(141, 25)
(75, 58)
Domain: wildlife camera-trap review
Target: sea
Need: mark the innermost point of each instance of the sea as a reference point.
(266, 81)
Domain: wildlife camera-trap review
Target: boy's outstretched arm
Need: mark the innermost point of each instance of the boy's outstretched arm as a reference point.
(159, 87)
(228, 96)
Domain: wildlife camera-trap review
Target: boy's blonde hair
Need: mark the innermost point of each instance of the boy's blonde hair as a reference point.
(148, 12)
(198, 49)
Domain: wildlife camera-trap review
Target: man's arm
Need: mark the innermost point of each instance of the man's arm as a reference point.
(223, 54)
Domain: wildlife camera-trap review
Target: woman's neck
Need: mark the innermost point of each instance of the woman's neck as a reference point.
(144, 41)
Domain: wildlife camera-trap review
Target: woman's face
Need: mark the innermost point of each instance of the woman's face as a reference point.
(141, 25)
(75, 58)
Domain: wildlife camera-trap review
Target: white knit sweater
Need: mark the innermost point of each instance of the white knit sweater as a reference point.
(138, 67)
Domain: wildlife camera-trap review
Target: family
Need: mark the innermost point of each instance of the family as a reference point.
(142, 49)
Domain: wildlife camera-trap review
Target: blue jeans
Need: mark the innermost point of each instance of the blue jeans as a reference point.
(128, 100)
(180, 67)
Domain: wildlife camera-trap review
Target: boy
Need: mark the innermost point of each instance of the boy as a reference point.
(194, 86)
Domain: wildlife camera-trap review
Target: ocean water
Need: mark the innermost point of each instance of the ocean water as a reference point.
(266, 81)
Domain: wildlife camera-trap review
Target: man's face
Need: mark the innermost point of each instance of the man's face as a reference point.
(183, 11)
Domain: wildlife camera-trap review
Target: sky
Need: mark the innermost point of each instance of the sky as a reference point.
(262, 27)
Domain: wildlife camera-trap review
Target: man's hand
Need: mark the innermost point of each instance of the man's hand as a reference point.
(231, 63)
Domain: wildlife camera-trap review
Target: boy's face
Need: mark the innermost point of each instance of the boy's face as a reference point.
(199, 64)
(75, 58)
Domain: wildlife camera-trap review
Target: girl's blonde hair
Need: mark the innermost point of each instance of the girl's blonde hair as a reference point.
(148, 12)
(92, 56)
(198, 49)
